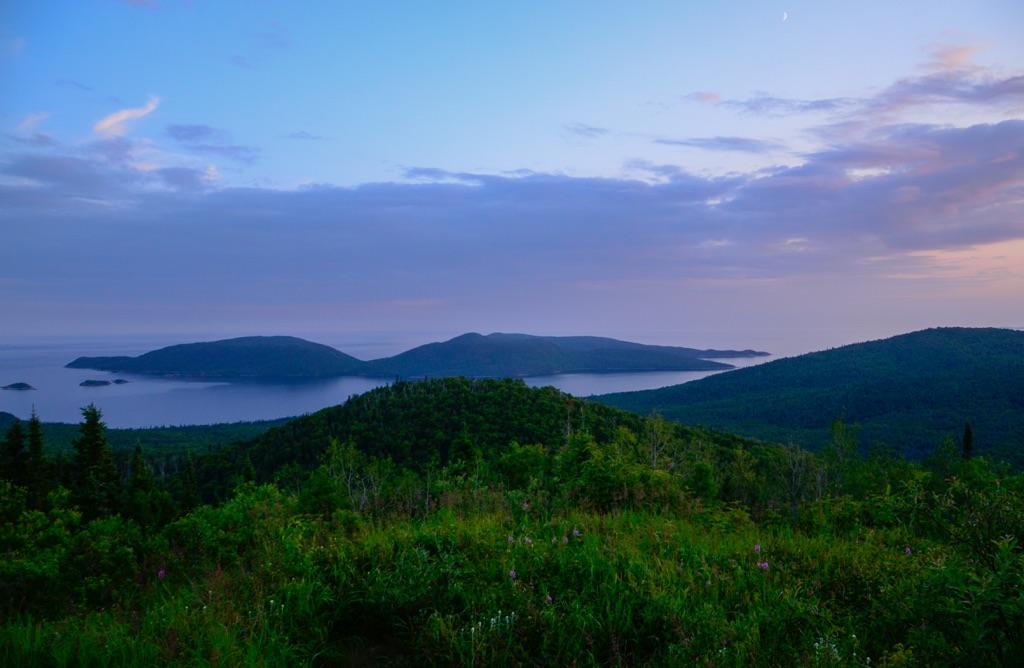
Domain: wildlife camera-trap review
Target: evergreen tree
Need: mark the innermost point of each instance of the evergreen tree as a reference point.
(148, 503)
(141, 476)
(190, 485)
(39, 482)
(13, 461)
(968, 442)
(96, 483)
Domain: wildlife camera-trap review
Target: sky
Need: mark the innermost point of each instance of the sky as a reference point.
(705, 173)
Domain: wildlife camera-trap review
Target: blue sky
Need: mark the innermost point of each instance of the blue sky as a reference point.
(684, 167)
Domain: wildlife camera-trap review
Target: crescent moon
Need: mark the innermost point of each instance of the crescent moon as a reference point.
(785, 16)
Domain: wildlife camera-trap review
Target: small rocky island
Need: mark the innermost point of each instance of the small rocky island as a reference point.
(18, 386)
(102, 383)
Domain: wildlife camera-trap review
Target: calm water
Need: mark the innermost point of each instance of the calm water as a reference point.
(146, 401)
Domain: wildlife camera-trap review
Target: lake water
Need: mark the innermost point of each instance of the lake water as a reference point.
(147, 401)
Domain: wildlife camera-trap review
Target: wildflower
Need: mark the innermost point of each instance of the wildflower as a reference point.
(527, 541)
(907, 551)
(757, 548)
(161, 574)
(763, 565)
(554, 540)
(565, 540)
(576, 532)
(511, 539)
(526, 505)
(512, 574)
(548, 599)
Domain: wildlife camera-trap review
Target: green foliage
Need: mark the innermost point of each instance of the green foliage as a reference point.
(469, 548)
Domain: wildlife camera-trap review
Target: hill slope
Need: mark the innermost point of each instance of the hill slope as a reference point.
(246, 357)
(438, 420)
(499, 355)
(909, 391)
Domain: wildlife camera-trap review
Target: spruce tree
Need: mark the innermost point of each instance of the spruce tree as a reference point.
(13, 461)
(967, 447)
(190, 485)
(39, 482)
(141, 476)
(145, 502)
(96, 483)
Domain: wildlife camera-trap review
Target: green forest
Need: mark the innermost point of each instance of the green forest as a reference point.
(907, 392)
(483, 522)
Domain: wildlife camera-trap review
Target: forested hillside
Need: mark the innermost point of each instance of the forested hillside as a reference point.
(482, 522)
(474, 355)
(246, 357)
(500, 355)
(908, 392)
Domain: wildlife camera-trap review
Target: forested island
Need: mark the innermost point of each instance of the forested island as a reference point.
(907, 392)
(482, 522)
(473, 355)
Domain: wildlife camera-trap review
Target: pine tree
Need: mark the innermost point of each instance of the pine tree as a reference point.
(39, 482)
(968, 442)
(96, 483)
(13, 461)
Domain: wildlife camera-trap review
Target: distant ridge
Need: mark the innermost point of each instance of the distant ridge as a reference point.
(473, 355)
(246, 357)
(501, 355)
(909, 391)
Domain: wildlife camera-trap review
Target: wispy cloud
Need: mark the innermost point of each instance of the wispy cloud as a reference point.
(771, 105)
(200, 138)
(192, 132)
(584, 130)
(705, 96)
(277, 37)
(302, 135)
(29, 123)
(240, 62)
(25, 133)
(71, 83)
(741, 144)
(951, 78)
(114, 124)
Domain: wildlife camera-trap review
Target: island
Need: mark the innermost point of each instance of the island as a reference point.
(94, 383)
(18, 387)
(520, 355)
(473, 355)
(256, 357)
